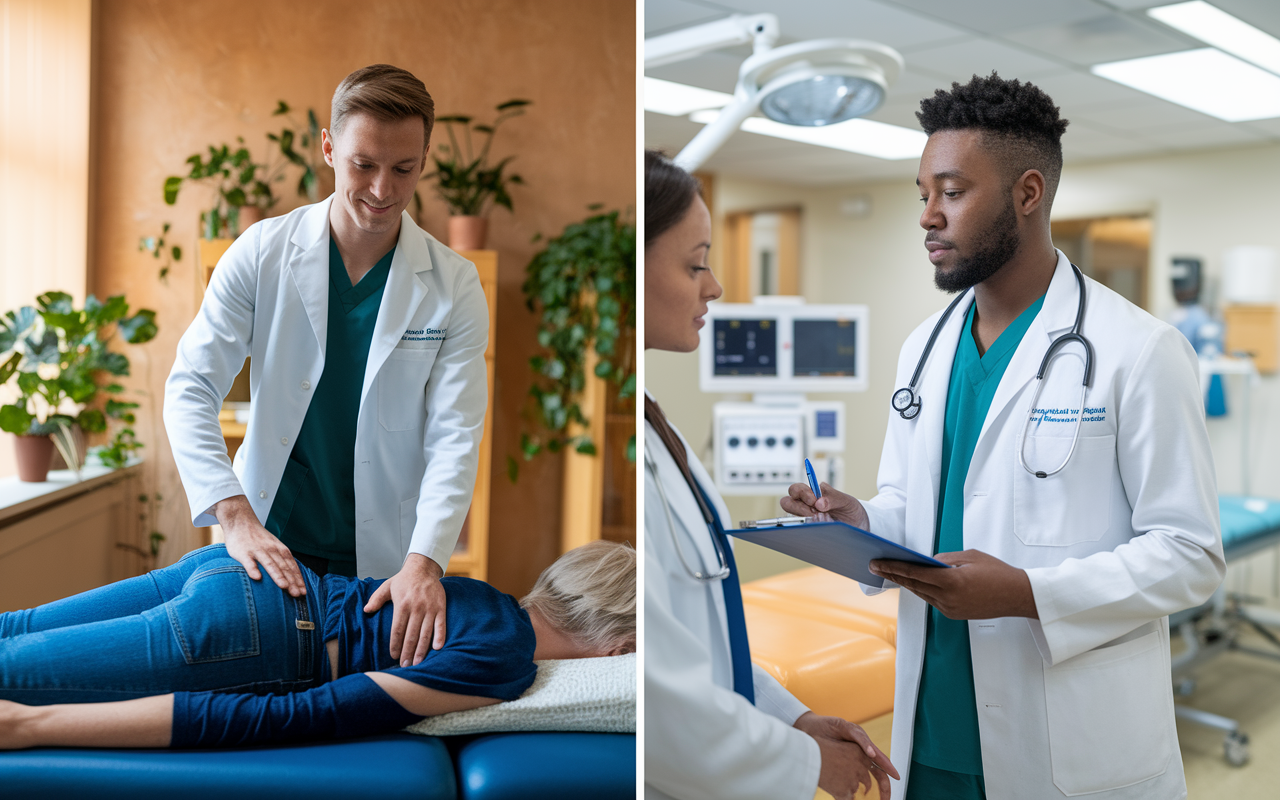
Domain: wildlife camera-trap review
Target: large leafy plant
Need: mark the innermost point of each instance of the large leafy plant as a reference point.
(465, 180)
(237, 181)
(55, 355)
(583, 287)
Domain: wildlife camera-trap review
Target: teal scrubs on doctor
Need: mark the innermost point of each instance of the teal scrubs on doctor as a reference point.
(314, 512)
(946, 759)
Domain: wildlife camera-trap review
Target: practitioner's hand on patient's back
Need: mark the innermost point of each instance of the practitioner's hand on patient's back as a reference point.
(418, 615)
(251, 544)
(833, 505)
(849, 758)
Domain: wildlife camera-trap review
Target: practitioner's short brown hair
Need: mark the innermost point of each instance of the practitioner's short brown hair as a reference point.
(386, 93)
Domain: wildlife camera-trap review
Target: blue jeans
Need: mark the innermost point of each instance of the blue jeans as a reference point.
(199, 625)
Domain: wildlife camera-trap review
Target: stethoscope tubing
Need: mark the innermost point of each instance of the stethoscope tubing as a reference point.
(698, 575)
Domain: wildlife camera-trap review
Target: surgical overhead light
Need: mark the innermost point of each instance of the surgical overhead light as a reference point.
(812, 84)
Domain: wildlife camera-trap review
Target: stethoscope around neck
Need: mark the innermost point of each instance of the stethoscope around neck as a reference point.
(907, 403)
(722, 570)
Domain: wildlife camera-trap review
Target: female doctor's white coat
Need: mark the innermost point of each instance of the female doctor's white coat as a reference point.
(1080, 701)
(422, 403)
(703, 740)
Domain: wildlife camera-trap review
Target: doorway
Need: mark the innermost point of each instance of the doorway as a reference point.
(1114, 251)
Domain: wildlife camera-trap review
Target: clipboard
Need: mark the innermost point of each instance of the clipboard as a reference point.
(835, 546)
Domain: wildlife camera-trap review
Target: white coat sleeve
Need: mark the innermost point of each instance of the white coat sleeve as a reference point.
(210, 354)
(456, 396)
(703, 741)
(1174, 560)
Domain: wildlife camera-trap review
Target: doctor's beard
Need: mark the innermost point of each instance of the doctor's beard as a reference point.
(1003, 241)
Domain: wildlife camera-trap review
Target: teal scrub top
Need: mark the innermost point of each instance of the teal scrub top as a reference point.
(946, 729)
(315, 507)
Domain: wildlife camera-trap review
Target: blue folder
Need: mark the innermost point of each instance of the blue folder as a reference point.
(834, 546)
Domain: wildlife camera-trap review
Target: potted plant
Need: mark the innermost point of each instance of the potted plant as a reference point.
(242, 194)
(467, 182)
(583, 285)
(55, 355)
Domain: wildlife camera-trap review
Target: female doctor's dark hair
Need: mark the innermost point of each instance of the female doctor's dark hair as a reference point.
(668, 193)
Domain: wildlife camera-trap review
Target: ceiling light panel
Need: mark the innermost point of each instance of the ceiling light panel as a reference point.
(678, 99)
(1214, 26)
(1206, 80)
(863, 136)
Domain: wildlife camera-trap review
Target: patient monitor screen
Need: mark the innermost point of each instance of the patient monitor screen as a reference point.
(825, 347)
(746, 346)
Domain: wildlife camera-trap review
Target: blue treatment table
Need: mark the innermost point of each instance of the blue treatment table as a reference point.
(528, 766)
(1249, 525)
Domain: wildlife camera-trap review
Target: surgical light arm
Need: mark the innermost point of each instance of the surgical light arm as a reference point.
(761, 30)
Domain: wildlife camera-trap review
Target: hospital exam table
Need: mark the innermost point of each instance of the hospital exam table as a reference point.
(500, 766)
(1249, 525)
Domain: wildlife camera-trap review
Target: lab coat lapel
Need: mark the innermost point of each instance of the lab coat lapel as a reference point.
(1056, 316)
(309, 268)
(935, 383)
(404, 292)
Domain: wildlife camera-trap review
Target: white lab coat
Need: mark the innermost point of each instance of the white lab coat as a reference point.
(421, 406)
(1079, 701)
(701, 738)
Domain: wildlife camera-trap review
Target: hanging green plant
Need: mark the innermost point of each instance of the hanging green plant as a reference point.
(583, 287)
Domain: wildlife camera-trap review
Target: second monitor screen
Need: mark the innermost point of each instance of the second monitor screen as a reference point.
(825, 348)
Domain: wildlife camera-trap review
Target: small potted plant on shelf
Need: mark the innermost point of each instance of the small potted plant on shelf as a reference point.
(242, 193)
(53, 358)
(467, 182)
(583, 286)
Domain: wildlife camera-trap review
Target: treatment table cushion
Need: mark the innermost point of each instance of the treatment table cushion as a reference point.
(386, 767)
(548, 766)
(824, 596)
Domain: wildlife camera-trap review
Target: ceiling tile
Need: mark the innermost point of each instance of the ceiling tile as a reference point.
(858, 19)
(1264, 14)
(1268, 127)
(664, 16)
(1100, 39)
(1214, 134)
(994, 16)
(1151, 113)
(1071, 90)
(960, 61)
(717, 71)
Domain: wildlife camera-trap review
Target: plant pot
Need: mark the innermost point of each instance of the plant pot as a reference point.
(34, 455)
(467, 233)
(250, 215)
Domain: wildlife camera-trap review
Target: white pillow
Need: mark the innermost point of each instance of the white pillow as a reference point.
(579, 694)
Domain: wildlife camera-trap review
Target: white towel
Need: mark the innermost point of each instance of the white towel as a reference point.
(579, 694)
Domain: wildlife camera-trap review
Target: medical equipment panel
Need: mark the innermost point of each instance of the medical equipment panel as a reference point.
(781, 344)
(758, 449)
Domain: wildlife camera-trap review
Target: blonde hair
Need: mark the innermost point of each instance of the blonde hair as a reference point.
(589, 593)
(386, 93)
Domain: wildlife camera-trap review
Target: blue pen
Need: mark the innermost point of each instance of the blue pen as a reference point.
(813, 479)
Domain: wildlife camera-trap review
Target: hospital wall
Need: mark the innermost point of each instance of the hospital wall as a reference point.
(1201, 204)
(172, 78)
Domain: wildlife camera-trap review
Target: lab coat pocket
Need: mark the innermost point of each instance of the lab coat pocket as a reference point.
(1110, 715)
(1072, 506)
(402, 383)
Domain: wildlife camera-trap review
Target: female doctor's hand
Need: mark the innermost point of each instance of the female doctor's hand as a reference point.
(833, 505)
(849, 759)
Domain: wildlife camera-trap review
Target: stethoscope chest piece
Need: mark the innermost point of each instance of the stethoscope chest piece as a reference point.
(906, 403)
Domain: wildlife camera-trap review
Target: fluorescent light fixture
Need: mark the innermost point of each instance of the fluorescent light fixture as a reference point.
(1206, 80)
(678, 100)
(1214, 26)
(863, 136)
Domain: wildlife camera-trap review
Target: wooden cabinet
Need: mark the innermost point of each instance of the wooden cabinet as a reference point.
(1253, 329)
(62, 537)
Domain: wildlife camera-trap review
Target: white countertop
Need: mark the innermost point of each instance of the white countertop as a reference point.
(18, 498)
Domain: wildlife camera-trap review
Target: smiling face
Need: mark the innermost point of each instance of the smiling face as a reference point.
(376, 166)
(678, 284)
(969, 210)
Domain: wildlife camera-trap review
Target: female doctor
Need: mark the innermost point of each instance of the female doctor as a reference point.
(1049, 442)
(715, 725)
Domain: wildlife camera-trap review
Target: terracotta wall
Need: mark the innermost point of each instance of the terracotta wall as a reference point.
(171, 78)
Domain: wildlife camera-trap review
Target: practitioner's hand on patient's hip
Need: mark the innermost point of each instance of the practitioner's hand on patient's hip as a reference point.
(418, 618)
(849, 759)
(833, 505)
(251, 544)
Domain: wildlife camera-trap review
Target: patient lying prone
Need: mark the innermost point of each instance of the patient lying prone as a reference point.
(199, 655)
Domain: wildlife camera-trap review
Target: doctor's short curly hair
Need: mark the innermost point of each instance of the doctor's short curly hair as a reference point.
(1019, 122)
(589, 593)
(386, 93)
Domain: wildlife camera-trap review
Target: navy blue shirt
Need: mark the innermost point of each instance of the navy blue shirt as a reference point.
(488, 653)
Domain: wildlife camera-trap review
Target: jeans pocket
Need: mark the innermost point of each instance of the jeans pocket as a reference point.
(215, 618)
